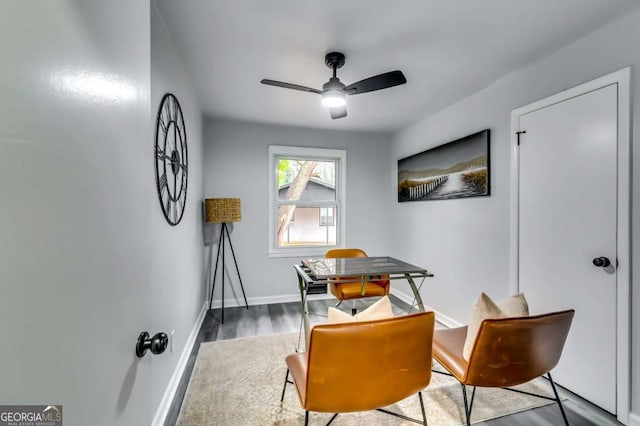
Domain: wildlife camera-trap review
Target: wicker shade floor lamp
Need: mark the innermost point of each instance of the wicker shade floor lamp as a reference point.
(223, 211)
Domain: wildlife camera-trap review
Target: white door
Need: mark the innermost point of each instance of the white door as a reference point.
(568, 218)
(76, 194)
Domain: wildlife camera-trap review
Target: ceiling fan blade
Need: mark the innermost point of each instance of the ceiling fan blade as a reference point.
(377, 82)
(338, 112)
(289, 86)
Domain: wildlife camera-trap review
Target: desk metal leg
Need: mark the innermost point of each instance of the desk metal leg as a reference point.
(416, 292)
(305, 313)
(307, 328)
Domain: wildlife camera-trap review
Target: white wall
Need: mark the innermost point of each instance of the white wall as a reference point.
(236, 165)
(177, 286)
(466, 242)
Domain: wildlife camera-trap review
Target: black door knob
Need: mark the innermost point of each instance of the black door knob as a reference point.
(157, 344)
(601, 262)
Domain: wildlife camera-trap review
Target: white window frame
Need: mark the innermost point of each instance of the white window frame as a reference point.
(331, 216)
(321, 154)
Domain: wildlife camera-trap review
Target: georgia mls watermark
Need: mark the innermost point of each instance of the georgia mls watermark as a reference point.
(30, 415)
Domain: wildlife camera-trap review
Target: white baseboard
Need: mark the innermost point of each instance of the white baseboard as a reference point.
(170, 391)
(443, 319)
(634, 419)
(267, 300)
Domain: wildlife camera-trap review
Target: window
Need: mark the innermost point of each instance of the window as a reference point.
(308, 184)
(326, 216)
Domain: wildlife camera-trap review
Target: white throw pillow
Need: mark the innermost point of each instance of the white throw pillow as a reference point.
(485, 308)
(514, 306)
(337, 316)
(379, 310)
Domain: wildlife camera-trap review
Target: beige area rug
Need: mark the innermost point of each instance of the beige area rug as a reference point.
(239, 382)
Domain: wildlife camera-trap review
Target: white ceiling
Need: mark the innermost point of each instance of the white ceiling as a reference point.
(446, 49)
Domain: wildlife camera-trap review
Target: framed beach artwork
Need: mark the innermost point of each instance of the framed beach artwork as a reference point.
(457, 169)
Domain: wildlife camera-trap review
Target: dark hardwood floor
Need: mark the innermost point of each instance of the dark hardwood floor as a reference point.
(285, 318)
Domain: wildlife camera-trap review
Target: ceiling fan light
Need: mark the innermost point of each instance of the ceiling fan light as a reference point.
(334, 98)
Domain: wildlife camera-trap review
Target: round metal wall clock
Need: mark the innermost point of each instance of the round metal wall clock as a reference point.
(171, 159)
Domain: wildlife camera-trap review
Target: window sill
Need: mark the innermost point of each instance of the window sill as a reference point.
(300, 253)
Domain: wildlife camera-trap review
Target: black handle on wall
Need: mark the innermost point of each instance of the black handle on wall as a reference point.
(601, 262)
(157, 344)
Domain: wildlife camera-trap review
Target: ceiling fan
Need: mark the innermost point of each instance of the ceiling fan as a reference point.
(334, 93)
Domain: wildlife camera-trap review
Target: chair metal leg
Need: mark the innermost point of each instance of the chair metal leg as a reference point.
(468, 405)
(424, 416)
(556, 397)
(306, 418)
(401, 416)
(467, 410)
(354, 311)
(339, 303)
(332, 419)
(284, 387)
(555, 392)
(473, 395)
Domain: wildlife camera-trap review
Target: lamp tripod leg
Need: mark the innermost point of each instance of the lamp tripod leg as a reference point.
(215, 272)
(236, 263)
(224, 226)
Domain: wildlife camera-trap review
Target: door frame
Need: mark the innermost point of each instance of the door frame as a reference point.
(623, 300)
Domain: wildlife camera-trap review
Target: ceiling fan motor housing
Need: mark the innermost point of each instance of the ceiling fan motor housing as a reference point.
(333, 83)
(334, 59)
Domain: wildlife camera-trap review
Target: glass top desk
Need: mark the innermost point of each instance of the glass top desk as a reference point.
(314, 272)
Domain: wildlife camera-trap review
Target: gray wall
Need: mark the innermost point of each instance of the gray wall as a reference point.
(177, 282)
(87, 260)
(85, 253)
(466, 242)
(236, 165)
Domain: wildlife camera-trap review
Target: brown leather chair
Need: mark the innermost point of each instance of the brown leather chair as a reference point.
(506, 352)
(353, 290)
(363, 366)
